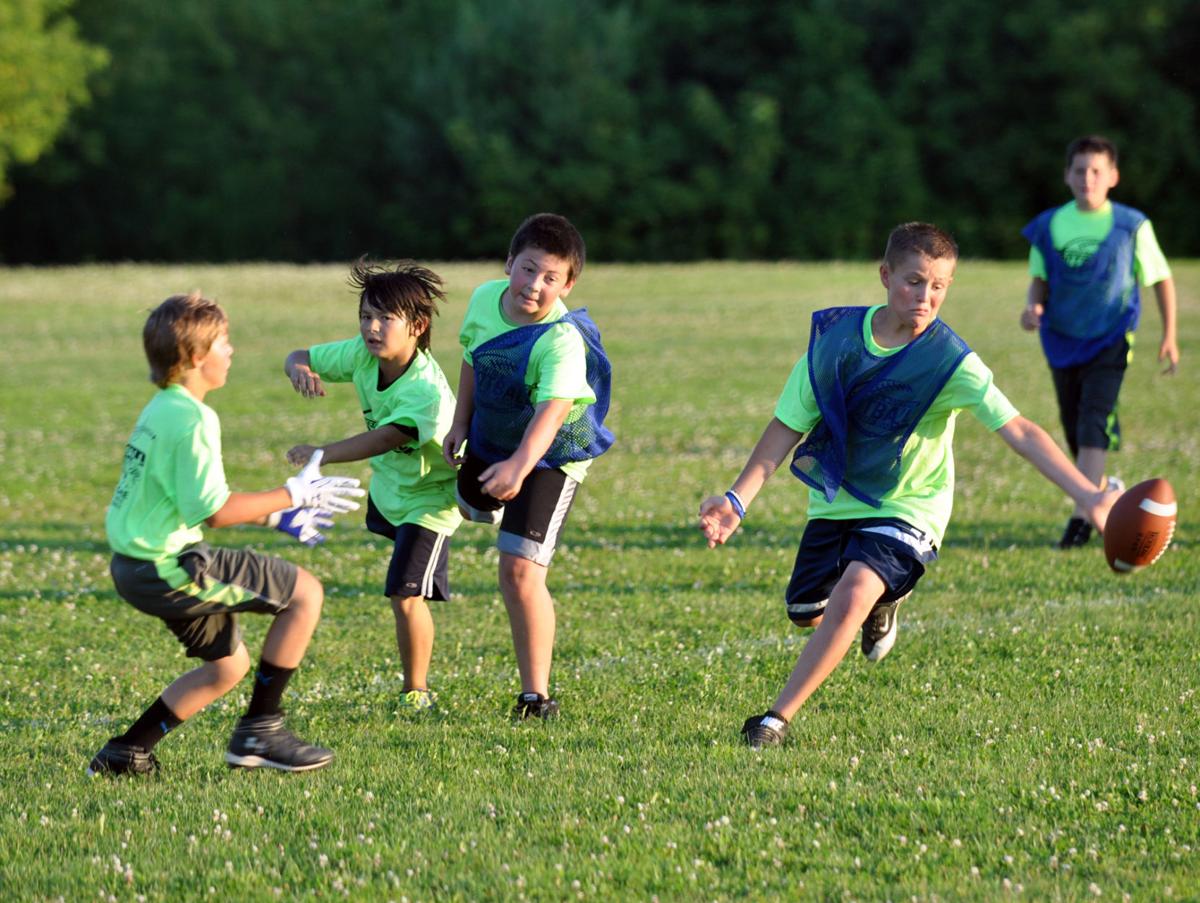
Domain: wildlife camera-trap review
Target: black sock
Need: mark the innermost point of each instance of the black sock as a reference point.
(154, 724)
(269, 683)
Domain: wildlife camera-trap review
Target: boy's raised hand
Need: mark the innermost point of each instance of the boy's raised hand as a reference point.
(304, 380)
(298, 455)
(718, 520)
(309, 489)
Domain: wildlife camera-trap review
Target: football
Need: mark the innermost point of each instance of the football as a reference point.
(1140, 526)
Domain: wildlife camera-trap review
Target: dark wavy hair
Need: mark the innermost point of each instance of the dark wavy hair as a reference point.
(405, 288)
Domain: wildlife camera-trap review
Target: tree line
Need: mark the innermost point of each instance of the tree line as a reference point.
(666, 129)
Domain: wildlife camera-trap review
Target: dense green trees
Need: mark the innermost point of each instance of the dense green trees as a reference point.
(668, 129)
(43, 75)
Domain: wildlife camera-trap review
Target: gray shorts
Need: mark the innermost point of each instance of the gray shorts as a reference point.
(198, 593)
(530, 524)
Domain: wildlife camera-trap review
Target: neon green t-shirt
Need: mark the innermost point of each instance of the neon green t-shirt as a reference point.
(924, 495)
(1078, 233)
(411, 484)
(557, 364)
(172, 480)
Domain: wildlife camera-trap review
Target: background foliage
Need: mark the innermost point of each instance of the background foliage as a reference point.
(43, 73)
(668, 129)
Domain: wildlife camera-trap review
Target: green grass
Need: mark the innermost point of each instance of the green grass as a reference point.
(1033, 734)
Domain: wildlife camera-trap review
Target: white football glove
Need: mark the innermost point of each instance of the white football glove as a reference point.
(305, 524)
(334, 495)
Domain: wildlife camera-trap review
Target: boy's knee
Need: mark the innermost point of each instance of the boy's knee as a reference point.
(404, 606)
(517, 572)
(227, 672)
(309, 594)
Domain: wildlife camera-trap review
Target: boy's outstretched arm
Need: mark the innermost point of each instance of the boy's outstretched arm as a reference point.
(299, 370)
(503, 479)
(357, 448)
(1168, 349)
(249, 507)
(464, 409)
(1035, 304)
(718, 518)
(1034, 444)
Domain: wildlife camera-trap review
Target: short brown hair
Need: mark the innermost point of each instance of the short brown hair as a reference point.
(1091, 144)
(924, 238)
(182, 327)
(553, 234)
(405, 288)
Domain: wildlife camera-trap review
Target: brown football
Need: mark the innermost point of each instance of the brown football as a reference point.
(1140, 526)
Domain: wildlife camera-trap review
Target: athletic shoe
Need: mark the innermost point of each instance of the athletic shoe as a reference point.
(417, 700)
(1114, 484)
(116, 757)
(879, 630)
(534, 705)
(263, 742)
(767, 729)
(1077, 534)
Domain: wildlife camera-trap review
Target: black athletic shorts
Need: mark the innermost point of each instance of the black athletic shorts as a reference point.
(895, 550)
(1087, 398)
(198, 593)
(420, 564)
(530, 524)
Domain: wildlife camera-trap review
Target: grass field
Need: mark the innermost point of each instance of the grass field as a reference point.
(1033, 735)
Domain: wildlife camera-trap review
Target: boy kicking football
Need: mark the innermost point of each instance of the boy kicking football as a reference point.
(869, 411)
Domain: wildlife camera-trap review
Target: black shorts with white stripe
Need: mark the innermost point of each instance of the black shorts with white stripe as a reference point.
(530, 524)
(420, 564)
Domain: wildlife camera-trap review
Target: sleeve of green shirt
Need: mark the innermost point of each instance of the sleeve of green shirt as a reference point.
(558, 366)
(335, 361)
(199, 475)
(1149, 260)
(797, 406)
(973, 388)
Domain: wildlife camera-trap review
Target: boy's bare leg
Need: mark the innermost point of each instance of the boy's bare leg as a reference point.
(849, 604)
(288, 636)
(531, 618)
(191, 692)
(1090, 462)
(414, 638)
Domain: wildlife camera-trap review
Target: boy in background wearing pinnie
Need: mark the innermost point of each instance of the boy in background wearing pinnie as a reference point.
(173, 480)
(1086, 259)
(408, 406)
(532, 396)
(872, 407)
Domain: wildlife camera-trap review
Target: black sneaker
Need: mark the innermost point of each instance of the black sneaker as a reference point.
(263, 742)
(534, 705)
(116, 757)
(767, 729)
(1077, 534)
(879, 630)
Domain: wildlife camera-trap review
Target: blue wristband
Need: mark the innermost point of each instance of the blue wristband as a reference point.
(736, 501)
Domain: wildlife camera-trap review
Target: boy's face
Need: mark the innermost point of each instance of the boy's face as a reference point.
(388, 336)
(214, 366)
(916, 288)
(536, 279)
(1091, 177)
